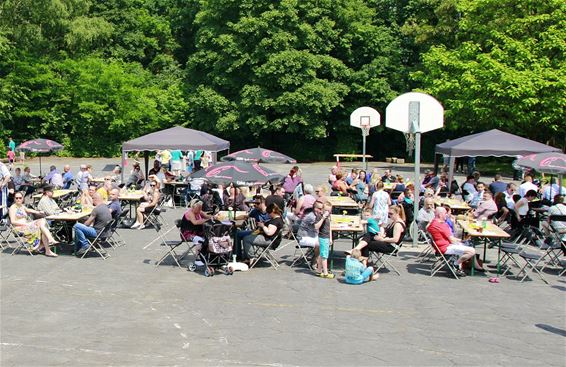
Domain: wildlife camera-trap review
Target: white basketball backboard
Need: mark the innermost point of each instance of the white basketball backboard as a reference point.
(428, 109)
(365, 117)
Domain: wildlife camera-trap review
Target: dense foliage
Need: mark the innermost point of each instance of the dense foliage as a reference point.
(284, 74)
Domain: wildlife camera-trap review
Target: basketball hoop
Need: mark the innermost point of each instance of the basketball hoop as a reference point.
(365, 126)
(410, 140)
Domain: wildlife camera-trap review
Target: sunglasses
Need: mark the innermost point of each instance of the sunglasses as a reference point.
(18, 197)
(152, 185)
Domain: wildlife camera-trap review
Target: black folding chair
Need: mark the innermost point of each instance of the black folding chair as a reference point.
(266, 252)
(96, 244)
(441, 261)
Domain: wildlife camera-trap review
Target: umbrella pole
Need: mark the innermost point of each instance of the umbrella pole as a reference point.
(40, 174)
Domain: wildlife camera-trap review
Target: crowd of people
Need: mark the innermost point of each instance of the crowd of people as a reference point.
(387, 201)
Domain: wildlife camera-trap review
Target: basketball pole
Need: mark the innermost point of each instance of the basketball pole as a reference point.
(414, 123)
(364, 150)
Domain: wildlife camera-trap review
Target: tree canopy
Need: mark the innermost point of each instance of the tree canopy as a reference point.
(283, 74)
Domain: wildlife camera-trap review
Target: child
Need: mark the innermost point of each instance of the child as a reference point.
(11, 157)
(356, 271)
(323, 227)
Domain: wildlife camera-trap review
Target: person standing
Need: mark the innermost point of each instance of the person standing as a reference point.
(4, 178)
(11, 157)
(176, 161)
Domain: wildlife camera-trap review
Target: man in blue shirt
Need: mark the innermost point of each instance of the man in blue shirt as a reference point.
(67, 177)
(497, 185)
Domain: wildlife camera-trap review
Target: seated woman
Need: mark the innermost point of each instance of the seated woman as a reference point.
(151, 197)
(340, 187)
(136, 177)
(360, 187)
(36, 232)
(266, 232)
(192, 226)
(86, 197)
(234, 199)
(258, 214)
(385, 241)
(303, 203)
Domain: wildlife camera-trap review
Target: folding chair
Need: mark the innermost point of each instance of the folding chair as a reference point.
(4, 233)
(288, 236)
(115, 239)
(304, 253)
(532, 260)
(154, 218)
(427, 251)
(266, 252)
(441, 261)
(97, 242)
(382, 260)
(172, 245)
(20, 240)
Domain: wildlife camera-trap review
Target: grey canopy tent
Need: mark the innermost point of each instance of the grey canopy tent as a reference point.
(177, 137)
(489, 143)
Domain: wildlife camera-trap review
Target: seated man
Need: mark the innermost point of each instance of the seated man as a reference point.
(469, 188)
(93, 226)
(447, 243)
(486, 208)
(114, 204)
(426, 213)
(67, 177)
(46, 204)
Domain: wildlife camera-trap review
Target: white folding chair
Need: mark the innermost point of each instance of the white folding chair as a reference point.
(304, 253)
(172, 245)
(441, 261)
(96, 244)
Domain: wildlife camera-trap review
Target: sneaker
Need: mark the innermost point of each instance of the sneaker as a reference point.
(81, 251)
(460, 273)
(327, 276)
(141, 226)
(135, 225)
(199, 263)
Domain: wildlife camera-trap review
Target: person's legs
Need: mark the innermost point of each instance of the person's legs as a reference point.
(324, 250)
(42, 224)
(378, 246)
(83, 232)
(238, 242)
(367, 273)
(248, 242)
(464, 252)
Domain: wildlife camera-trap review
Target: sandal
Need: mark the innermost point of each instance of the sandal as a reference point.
(52, 255)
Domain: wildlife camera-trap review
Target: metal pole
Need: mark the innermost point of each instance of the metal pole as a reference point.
(364, 150)
(417, 186)
(414, 123)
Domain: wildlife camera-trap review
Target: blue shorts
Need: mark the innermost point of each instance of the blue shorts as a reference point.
(324, 244)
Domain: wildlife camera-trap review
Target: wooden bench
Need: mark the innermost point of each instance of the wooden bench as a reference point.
(338, 156)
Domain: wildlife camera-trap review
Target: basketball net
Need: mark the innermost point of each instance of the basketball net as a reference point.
(365, 129)
(410, 140)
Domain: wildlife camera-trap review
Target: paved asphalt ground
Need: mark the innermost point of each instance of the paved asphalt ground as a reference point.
(124, 311)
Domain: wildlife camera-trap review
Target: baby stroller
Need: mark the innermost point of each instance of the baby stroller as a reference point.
(217, 249)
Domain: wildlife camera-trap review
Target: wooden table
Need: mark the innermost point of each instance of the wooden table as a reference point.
(57, 194)
(491, 231)
(133, 198)
(344, 227)
(68, 219)
(343, 205)
(231, 215)
(454, 204)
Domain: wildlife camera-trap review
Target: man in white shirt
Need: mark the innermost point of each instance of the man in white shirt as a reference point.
(470, 187)
(553, 189)
(509, 192)
(527, 185)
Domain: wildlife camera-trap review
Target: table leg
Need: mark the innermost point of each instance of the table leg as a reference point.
(331, 264)
(498, 257)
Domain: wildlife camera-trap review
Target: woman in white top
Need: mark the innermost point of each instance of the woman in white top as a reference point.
(522, 206)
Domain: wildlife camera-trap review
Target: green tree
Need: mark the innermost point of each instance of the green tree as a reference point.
(297, 67)
(507, 69)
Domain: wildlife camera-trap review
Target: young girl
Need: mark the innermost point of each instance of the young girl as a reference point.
(356, 270)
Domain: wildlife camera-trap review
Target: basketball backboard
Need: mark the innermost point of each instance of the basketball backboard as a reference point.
(429, 111)
(365, 117)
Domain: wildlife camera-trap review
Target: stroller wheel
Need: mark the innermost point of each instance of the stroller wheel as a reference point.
(192, 267)
(209, 271)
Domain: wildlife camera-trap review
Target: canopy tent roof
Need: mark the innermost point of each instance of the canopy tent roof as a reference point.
(492, 143)
(177, 137)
